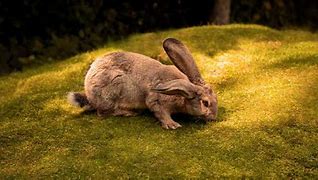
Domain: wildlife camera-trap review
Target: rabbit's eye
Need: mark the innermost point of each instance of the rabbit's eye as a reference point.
(205, 103)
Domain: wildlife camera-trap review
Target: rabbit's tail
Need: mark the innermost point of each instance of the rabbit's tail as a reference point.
(79, 100)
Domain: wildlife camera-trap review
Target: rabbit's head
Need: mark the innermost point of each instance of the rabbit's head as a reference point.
(200, 99)
(204, 104)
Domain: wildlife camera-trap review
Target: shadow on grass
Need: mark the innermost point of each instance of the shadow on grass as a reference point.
(184, 119)
(227, 84)
(147, 118)
(299, 61)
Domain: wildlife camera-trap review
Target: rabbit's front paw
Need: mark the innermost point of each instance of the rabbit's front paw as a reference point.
(170, 124)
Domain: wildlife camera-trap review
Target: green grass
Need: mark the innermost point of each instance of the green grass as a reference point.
(267, 86)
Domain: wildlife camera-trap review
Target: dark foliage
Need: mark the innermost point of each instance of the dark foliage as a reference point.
(32, 30)
(276, 13)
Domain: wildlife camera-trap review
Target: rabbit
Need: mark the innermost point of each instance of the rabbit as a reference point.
(123, 83)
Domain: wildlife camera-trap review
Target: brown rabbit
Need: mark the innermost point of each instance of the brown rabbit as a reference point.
(122, 83)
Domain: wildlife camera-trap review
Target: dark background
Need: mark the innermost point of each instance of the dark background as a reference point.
(38, 31)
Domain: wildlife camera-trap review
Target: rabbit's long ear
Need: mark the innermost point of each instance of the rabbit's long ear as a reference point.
(177, 87)
(182, 59)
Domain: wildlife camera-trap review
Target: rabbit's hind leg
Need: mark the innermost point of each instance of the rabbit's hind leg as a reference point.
(104, 113)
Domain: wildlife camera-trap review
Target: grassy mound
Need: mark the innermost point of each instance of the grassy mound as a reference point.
(267, 85)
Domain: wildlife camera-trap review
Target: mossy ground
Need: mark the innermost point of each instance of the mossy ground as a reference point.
(267, 86)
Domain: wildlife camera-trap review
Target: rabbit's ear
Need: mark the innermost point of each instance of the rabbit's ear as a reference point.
(177, 87)
(182, 59)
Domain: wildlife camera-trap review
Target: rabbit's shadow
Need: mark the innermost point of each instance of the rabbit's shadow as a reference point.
(91, 112)
(185, 120)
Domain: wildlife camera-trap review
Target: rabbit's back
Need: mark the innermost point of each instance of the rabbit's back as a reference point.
(120, 79)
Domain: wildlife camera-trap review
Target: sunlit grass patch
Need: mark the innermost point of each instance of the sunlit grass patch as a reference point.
(266, 81)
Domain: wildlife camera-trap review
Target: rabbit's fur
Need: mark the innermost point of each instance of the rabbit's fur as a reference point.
(122, 83)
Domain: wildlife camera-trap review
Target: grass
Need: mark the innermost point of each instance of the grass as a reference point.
(267, 85)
